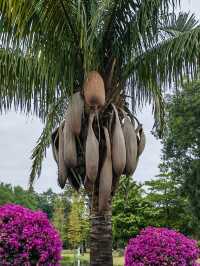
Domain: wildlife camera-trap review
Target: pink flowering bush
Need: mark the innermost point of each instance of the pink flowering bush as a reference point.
(27, 238)
(159, 247)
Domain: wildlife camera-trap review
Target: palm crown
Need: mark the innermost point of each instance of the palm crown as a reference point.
(48, 47)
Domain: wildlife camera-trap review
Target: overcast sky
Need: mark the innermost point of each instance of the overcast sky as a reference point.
(18, 135)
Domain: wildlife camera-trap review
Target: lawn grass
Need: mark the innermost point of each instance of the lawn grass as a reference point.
(68, 258)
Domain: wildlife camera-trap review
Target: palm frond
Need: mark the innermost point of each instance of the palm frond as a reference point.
(167, 62)
(174, 24)
(130, 28)
(54, 117)
(164, 64)
(30, 83)
(49, 63)
(133, 21)
(158, 109)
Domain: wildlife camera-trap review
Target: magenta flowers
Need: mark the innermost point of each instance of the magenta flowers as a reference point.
(27, 238)
(159, 247)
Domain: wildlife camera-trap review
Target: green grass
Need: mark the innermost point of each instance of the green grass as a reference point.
(68, 259)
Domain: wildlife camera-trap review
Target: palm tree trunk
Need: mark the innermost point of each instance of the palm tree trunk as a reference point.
(101, 236)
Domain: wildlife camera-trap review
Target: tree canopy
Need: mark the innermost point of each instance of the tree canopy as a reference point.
(17, 195)
(131, 212)
(181, 141)
(158, 202)
(173, 208)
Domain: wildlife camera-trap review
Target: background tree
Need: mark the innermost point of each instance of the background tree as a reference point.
(158, 203)
(48, 47)
(74, 224)
(172, 207)
(46, 202)
(84, 221)
(58, 218)
(17, 195)
(131, 212)
(77, 222)
(6, 194)
(181, 141)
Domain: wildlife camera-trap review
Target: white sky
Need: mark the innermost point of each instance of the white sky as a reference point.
(18, 135)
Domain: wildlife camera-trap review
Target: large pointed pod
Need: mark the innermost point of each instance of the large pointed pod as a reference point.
(131, 146)
(105, 182)
(142, 142)
(91, 152)
(76, 107)
(62, 169)
(55, 143)
(70, 152)
(118, 146)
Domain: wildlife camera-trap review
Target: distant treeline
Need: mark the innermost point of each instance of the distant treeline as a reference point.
(156, 203)
(16, 194)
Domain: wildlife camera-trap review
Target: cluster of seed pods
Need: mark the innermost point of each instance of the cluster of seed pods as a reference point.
(121, 143)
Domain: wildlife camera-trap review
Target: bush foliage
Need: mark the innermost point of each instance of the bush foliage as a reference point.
(27, 238)
(159, 247)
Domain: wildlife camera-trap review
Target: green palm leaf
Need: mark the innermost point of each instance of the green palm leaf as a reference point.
(176, 24)
(54, 117)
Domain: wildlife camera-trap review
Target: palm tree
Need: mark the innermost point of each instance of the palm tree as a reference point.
(48, 48)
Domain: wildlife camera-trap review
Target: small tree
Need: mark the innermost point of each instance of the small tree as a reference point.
(46, 202)
(131, 212)
(59, 216)
(181, 141)
(85, 224)
(74, 223)
(171, 206)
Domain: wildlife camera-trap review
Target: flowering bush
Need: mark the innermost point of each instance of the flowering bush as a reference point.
(161, 246)
(27, 238)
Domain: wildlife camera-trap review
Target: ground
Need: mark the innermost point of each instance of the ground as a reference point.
(68, 257)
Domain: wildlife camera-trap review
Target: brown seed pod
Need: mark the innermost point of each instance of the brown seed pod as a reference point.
(142, 142)
(94, 90)
(91, 152)
(118, 146)
(70, 153)
(55, 144)
(131, 146)
(105, 182)
(62, 169)
(76, 110)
